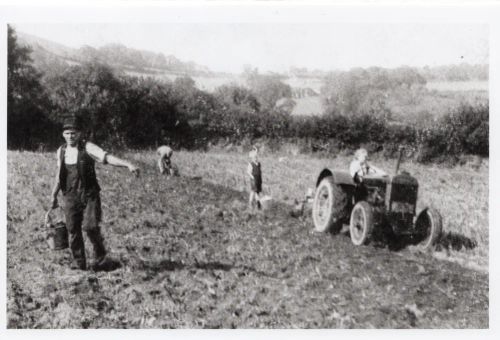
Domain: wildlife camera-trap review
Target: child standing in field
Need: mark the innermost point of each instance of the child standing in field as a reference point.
(77, 180)
(255, 173)
(164, 162)
(360, 167)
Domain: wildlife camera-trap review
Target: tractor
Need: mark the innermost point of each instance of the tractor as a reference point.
(386, 203)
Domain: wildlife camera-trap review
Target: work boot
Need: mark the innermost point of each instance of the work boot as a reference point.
(78, 265)
(106, 264)
(97, 241)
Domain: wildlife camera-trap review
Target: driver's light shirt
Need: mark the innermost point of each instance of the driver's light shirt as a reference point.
(71, 154)
(360, 169)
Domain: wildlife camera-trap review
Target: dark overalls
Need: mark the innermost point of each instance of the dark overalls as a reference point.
(257, 177)
(82, 205)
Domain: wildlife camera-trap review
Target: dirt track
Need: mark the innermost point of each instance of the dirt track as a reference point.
(192, 257)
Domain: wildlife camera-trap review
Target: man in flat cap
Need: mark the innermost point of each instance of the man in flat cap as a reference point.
(77, 180)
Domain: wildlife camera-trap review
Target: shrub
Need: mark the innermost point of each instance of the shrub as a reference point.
(267, 88)
(463, 131)
(93, 92)
(237, 96)
(28, 124)
(151, 114)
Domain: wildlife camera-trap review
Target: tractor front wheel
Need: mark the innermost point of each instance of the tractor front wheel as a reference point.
(330, 206)
(429, 226)
(361, 224)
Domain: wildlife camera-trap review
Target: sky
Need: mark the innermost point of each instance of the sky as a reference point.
(276, 47)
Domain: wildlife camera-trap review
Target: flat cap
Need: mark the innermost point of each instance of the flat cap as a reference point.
(72, 122)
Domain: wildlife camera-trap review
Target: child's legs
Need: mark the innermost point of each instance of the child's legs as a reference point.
(251, 199)
(257, 199)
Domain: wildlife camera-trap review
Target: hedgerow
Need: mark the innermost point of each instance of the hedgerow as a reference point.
(135, 112)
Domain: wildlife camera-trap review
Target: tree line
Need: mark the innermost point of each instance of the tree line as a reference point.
(121, 111)
(461, 72)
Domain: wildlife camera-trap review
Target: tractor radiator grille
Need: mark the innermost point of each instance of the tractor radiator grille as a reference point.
(403, 208)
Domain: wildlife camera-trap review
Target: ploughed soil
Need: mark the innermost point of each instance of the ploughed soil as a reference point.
(192, 256)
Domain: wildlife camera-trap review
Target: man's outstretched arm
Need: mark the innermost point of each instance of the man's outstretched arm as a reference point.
(115, 161)
(102, 156)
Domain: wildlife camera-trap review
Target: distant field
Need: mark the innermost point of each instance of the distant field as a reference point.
(313, 83)
(208, 84)
(211, 83)
(459, 86)
(449, 95)
(308, 106)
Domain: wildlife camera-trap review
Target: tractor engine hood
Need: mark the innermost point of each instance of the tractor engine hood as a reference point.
(402, 194)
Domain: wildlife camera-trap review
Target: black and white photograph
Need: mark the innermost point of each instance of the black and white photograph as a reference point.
(211, 169)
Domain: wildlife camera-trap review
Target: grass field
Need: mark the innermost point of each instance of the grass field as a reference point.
(192, 256)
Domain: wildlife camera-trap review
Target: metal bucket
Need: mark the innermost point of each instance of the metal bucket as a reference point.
(57, 233)
(266, 202)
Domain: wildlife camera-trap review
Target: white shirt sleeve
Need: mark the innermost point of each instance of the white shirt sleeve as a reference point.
(354, 168)
(58, 156)
(94, 151)
(249, 169)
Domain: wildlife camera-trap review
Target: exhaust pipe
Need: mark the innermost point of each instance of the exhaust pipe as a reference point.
(399, 160)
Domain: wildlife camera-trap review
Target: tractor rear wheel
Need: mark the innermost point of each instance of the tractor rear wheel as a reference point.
(429, 226)
(361, 224)
(330, 206)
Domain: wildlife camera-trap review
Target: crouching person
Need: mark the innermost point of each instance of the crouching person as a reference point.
(164, 162)
(77, 180)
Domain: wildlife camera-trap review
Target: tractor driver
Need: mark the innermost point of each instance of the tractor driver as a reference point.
(360, 167)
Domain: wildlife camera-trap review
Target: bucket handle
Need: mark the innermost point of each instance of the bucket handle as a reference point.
(48, 219)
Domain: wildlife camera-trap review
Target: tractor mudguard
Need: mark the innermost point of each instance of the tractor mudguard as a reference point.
(339, 177)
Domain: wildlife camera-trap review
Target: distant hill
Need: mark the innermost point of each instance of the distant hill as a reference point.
(306, 85)
(46, 46)
(46, 53)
